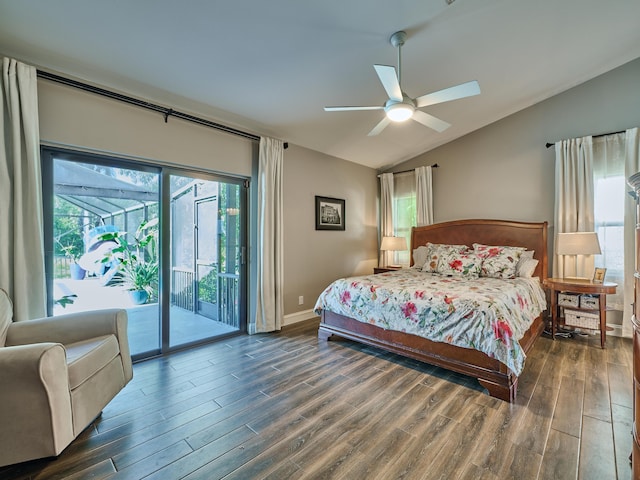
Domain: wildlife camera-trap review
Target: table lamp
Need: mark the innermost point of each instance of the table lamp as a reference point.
(578, 243)
(393, 244)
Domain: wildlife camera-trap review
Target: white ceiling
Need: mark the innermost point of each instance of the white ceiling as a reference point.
(269, 67)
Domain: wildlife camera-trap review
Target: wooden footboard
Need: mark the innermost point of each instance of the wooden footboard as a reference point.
(493, 375)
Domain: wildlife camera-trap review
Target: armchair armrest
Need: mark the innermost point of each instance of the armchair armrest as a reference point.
(75, 327)
(35, 402)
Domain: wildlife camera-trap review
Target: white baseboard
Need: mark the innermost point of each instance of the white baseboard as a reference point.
(298, 317)
(617, 330)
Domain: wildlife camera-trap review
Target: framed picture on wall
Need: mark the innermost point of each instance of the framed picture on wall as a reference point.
(330, 213)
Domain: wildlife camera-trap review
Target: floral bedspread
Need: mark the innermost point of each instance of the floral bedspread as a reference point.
(486, 314)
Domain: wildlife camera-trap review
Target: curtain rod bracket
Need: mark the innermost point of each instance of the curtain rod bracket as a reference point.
(167, 113)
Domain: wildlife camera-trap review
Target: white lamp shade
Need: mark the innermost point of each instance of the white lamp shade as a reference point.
(578, 243)
(393, 244)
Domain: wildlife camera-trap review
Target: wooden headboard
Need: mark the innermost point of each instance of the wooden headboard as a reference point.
(533, 236)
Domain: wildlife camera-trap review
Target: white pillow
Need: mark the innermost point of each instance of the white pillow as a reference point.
(527, 268)
(526, 255)
(420, 256)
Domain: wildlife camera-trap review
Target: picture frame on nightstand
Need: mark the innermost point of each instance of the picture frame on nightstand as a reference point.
(599, 274)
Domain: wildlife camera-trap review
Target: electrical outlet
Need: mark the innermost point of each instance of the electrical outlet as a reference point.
(300, 300)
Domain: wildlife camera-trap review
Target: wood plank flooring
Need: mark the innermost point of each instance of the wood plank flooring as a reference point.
(285, 406)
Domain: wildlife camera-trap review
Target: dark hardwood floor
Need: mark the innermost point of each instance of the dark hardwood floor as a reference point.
(283, 406)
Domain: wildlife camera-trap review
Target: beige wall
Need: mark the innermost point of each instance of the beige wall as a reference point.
(73, 118)
(314, 258)
(504, 171)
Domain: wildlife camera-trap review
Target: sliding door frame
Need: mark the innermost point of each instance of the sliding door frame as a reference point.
(49, 153)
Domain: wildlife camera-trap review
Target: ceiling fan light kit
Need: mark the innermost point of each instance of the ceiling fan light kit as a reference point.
(399, 112)
(400, 107)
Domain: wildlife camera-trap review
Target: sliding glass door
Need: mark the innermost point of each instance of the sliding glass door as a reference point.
(206, 263)
(165, 245)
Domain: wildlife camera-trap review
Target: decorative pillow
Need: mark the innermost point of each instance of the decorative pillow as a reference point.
(420, 256)
(526, 255)
(435, 250)
(459, 264)
(498, 261)
(527, 268)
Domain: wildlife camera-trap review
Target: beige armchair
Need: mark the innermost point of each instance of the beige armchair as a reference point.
(56, 376)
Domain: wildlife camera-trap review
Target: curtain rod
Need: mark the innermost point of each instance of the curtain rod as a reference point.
(593, 136)
(167, 112)
(435, 165)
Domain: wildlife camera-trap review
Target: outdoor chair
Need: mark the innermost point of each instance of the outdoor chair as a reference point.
(56, 376)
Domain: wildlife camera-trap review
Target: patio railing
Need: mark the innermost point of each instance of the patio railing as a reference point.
(228, 299)
(183, 291)
(183, 294)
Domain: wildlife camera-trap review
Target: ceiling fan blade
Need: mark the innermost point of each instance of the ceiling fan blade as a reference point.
(379, 127)
(463, 90)
(389, 79)
(430, 121)
(345, 109)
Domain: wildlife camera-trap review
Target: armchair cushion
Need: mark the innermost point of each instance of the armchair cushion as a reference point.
(85, 358)
(72, 328)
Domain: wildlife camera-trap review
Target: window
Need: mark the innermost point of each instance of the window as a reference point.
(609, 220)
(404, 212)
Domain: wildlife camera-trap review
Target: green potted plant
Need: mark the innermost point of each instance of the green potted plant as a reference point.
(73, 253)
(137, 262)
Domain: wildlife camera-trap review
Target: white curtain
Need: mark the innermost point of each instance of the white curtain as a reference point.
(574, 207)
(21, 216)
(269, 303)
(424, 196)
(632, 166)
(386, 214)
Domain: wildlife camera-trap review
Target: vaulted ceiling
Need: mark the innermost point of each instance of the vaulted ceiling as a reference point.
(269, 67)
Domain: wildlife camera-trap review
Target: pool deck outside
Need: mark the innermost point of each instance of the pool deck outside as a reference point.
(144, 323)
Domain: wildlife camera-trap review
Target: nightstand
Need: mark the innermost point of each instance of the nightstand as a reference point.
(385, 269)
(576, 286)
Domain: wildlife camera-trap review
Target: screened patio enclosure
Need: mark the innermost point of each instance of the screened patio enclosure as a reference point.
(91, 200)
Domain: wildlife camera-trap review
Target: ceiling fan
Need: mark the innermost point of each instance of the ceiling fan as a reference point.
(400, 107)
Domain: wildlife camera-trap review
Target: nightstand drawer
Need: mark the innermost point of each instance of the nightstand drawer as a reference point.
(590, 301)
(576, 318)
(568, 300)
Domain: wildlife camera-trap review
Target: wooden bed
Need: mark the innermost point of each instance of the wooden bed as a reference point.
(492, 374)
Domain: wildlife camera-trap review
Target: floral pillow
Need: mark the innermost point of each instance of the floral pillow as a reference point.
(434, 251)
(459, 264)
(498, 261)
